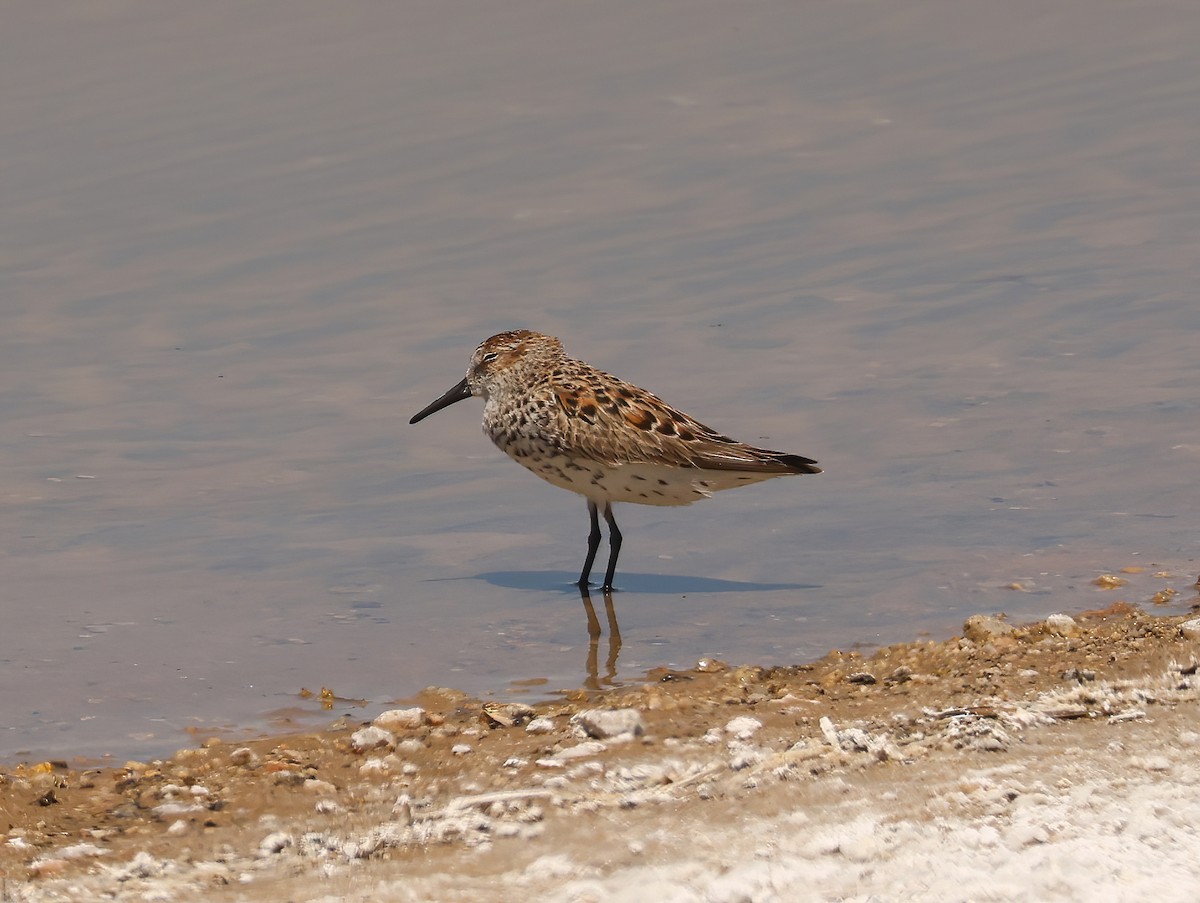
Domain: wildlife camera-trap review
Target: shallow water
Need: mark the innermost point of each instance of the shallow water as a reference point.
(948, 250)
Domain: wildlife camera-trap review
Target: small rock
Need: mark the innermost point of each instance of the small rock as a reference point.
(400, 719)
(82, 851)
(540, 725)
(402, 810)
(143, 865)
(276, 842)
(862, 677)
(603, 724)
(586, 748)
(371, 738)
(1062, 625)
(745, 758)
(509, 714)
(166, 810)
(1068, 712)
(743, 727)
(829, 732)
(461, 749)
(1191, 629)
(1128, 715)
(243, 756)
(1109, 581)
(981, 628)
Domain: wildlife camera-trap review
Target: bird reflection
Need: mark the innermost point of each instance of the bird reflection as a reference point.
(594, 681)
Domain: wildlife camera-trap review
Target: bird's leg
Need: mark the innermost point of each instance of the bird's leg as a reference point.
(614, 543)
(593, 544)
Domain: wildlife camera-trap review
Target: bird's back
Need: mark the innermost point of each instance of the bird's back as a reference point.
(588, 431)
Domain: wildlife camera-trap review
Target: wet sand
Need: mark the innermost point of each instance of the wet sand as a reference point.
(1054, 760)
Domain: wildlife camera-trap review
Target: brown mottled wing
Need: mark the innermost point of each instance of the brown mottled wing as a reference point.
(614, 422)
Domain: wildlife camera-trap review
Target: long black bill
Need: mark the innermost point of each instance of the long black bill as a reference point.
(458, 393)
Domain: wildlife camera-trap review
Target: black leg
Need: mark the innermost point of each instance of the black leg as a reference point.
(593, 544)
(614, 543)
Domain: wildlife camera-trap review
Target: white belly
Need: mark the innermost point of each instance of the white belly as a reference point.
(641, 484)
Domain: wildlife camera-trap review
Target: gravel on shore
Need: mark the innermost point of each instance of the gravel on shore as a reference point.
(1058, 760)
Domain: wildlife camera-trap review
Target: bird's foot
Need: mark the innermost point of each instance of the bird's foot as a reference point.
(586, 585)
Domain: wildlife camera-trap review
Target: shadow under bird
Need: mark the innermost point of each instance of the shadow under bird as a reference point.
(608, 440)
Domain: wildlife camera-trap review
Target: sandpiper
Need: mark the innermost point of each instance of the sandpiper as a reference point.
(585, 430)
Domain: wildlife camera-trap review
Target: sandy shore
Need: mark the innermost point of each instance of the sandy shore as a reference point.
(1054, 761)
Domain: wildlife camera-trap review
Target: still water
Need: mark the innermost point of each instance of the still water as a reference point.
(949, 250)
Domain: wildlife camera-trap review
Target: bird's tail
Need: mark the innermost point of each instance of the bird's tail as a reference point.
(797, 463)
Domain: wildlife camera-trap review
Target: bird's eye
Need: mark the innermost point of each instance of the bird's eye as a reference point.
(489, 357)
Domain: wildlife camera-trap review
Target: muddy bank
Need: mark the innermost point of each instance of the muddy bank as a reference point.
(592, 796)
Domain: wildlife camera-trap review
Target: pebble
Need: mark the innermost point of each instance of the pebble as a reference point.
(981, 628)
(275, 842)
(745, 757)
(743, 727)
(81, 851)
(603, 724)
(1191, 629)
(1062, 625)
(461, 749)
(540, 725)
(586, 748)
(143, 865)
(400, 719)
(371, 738)
(243, 756)
(507, 714)
(829, 732)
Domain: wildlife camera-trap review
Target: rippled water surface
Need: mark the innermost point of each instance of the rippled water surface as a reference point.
(949, 250)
